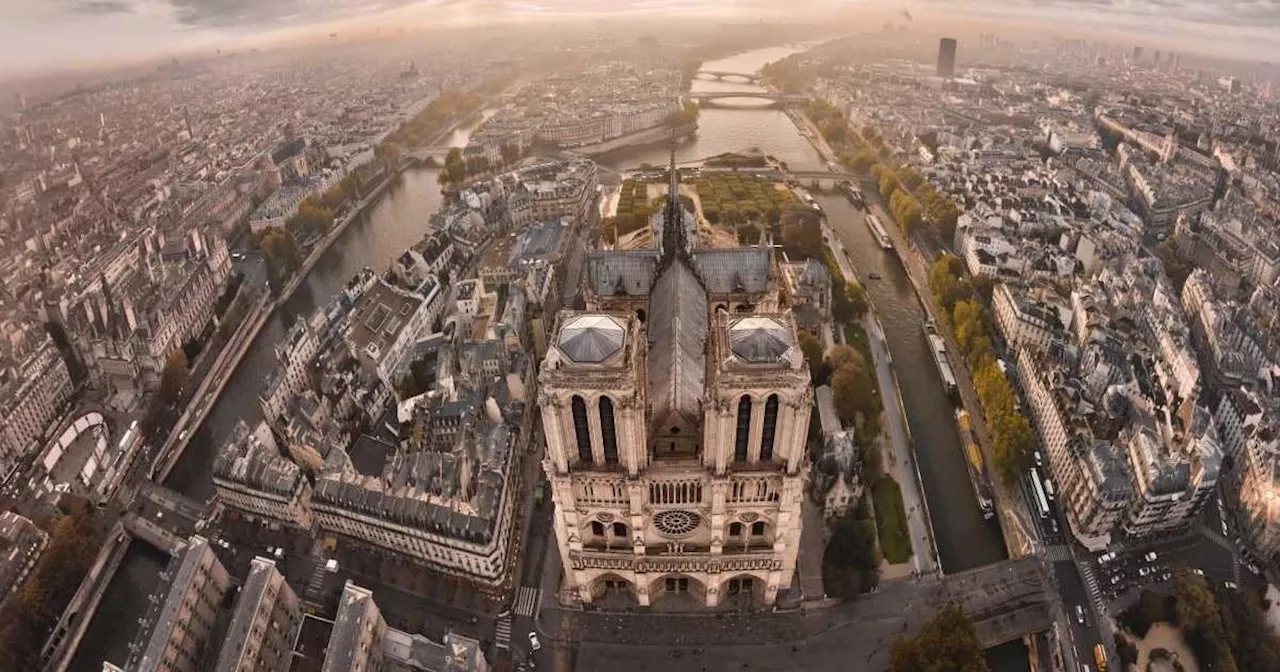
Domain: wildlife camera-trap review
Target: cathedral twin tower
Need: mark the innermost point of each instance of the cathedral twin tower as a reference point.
(676, 413)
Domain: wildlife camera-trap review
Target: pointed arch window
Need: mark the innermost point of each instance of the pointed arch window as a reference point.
(608, 432)
(580, 429)
(744, 429)
(770, 428)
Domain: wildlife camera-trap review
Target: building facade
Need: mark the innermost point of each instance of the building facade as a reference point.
(33, 394)
(177, 633)
(265, 624)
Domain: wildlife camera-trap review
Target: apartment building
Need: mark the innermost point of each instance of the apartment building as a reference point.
(34, 392)
(264, 625)
(176, 634)
(251, 476)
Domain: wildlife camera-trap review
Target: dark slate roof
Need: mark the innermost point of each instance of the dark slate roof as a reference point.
(629, 273)
(677, 346)
(740, 270)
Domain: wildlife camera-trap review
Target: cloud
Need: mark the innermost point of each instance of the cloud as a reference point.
(100, 6)
(1222, 12)
(239, 13)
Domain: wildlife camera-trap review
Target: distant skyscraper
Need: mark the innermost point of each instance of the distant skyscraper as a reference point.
(1157, 56)
(1137, 54)
(947, 57)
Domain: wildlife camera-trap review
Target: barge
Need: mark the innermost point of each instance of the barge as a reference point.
(979, 478)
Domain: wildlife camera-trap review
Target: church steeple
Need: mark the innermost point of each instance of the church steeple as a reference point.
(674, 236)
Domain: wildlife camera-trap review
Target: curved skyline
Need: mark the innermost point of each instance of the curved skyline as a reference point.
(45, 34)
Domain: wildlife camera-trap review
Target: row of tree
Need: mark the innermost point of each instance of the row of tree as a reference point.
(435, 118)
(28, 618)
(829, 120)
(1011, 432)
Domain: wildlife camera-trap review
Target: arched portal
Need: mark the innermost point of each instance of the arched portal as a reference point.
(677, 592)
(611, 591)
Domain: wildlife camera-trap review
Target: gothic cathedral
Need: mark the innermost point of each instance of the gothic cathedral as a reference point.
(676, 413)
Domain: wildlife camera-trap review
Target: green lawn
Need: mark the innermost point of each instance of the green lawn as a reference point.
(891, 520)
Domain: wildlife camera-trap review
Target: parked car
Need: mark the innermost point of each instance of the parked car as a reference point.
(1080, 614)
(1150, 557)
(533, 642)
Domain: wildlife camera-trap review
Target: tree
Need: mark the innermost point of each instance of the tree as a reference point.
(811, 347)
(388, 154)
(803, 238)
(888, 184)
(910, 178)
(842, 356)
(174, 376)
(863, 160)
(282, 255)
(455, 169)
(844, 393)
(851, 563)
(848, 302)
(946, 643)
(312, 217)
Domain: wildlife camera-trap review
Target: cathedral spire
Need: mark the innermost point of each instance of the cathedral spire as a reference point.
(674, 235)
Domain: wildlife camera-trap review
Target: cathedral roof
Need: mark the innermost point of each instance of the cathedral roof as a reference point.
(759, 340)
(738, 270)
(591, 338)
(627, 273)
(677, 346)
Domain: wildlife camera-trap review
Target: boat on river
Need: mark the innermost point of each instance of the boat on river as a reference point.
(979, 478)
(853, 193)
(877, 230)
(938, 348)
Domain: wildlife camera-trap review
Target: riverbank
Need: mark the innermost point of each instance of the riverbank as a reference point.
(185, 429)
(652, 136)
(1017, 541)
(903, 466)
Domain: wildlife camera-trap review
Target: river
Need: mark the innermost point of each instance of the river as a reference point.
(400, 218)
(964, 539)
(396, 221)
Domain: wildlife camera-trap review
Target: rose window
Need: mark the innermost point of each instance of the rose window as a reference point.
(676, 523)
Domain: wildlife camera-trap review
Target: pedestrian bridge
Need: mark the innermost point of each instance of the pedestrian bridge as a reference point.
(714, 98)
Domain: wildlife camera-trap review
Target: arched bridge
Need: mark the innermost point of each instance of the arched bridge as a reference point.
(717, 74)
(710, 98)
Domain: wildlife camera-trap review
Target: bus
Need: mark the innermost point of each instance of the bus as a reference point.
(1038, 490)
(1100, 657)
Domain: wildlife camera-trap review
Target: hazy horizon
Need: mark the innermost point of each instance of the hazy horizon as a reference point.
(39, 37)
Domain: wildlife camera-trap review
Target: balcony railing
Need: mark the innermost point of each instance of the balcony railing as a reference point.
(667, 564)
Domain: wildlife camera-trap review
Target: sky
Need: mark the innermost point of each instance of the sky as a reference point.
(42, 34)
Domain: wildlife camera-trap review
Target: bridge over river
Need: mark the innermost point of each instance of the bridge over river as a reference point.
(736, 77)
(775, 99)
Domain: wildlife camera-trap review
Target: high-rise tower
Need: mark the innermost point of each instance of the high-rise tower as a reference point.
(947, 57)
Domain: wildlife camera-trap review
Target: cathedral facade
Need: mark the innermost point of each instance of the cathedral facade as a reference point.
(676, 412)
